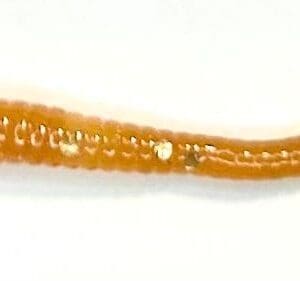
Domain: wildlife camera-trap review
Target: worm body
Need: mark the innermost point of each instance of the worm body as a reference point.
(38, 134)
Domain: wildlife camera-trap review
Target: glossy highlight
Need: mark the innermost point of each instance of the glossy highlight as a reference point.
(38, 134)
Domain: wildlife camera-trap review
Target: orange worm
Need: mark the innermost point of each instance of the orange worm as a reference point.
(38, 134)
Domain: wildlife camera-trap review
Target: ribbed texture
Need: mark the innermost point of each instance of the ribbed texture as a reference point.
(37, 134)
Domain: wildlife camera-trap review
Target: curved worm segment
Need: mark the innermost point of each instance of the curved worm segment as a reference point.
(37, 134)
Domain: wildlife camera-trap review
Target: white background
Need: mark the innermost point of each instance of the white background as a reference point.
(229, 64)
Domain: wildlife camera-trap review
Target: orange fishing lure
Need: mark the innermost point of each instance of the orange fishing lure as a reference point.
(38, 134)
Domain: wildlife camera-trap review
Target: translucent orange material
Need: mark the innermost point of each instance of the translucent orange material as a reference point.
(37, 134)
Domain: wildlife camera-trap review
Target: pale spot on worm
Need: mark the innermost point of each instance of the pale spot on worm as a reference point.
(221, 160)
(196, 147)
(284, 154)
(69, 150)
(52, 142)
(265, 155)
(24, 124)
(275, 165)
(189, 168)
(151, 143)
(180, 146)
(144, 143)
(181, 157)
(105, 139)
(188, 147)
(247, 154)
(109, 152)
(2, 137)
(42, 129)
(78, 136)
(201, 159)
(210, 148)
(146, 156)
(92, 143)
(97, 138)
(164, 150)
(18, 140)
(133, 140)
(34, 139)
(294, 162)
(5, 121)
(60, 132)
(90, 150)
(126, 155)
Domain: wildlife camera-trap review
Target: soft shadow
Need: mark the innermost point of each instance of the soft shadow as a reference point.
(31, 181)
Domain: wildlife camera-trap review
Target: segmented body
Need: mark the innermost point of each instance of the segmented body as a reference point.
(37, 134)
